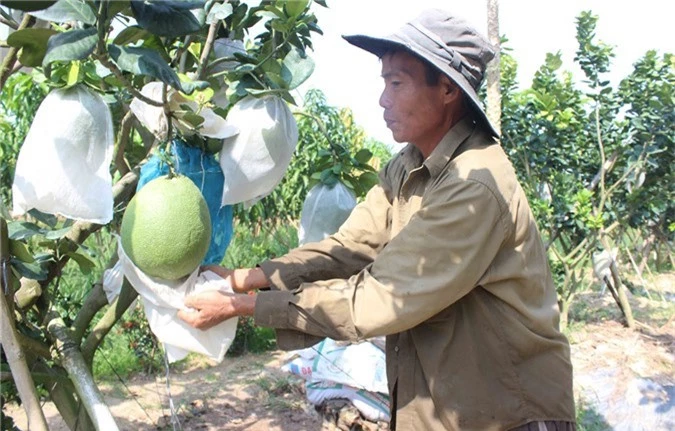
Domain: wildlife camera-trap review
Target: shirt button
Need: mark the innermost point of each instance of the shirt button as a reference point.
(396, 349)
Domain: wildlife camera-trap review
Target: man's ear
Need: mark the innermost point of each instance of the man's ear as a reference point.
(451, 91)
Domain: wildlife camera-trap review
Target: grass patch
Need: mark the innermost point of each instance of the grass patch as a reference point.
(130, 347)
(280, 392)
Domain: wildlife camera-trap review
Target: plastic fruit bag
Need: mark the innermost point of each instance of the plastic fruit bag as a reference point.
(255, 160)
(161, 301)
(324, 210)
(63, 165)
(154, 118)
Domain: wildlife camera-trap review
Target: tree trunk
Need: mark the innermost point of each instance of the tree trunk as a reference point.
(10, 344)
(494, 91)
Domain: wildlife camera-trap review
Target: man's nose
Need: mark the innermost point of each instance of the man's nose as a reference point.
(385, 100)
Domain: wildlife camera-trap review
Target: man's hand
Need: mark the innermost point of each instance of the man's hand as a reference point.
(242, 280)
(214, 307)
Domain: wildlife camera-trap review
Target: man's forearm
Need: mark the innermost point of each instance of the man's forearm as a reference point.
(249, 279)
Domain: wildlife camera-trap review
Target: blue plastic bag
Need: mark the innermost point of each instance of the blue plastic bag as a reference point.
(205, 171)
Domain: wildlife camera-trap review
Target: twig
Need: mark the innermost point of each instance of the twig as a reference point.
(122, 139)
(181, 54)
(204, 58)
(103, 58)
(6, 69)
(11, 24)
(8, 20)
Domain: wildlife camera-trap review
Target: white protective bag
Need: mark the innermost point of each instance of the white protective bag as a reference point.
(324, 210)
(255, 160)
(161, 301)
(154, 119)
(63, 167)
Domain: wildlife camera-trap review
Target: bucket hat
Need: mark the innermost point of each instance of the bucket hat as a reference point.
(449, 43)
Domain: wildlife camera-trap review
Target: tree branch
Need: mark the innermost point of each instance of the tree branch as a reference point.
(121, 144)
(94, 301)
(105, 61)
(11, 24)
(78, 371)
(111, 316)
(204, 58)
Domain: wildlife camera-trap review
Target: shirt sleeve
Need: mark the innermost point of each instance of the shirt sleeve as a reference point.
(436, 259)
(360, 238)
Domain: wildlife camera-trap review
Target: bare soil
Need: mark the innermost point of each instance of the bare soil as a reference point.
(252, 393)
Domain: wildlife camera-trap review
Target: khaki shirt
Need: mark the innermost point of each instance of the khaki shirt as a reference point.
(445, 259)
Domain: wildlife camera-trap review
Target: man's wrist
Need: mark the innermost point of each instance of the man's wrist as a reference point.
(245, 304)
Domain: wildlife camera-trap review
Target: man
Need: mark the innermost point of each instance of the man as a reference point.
(443, 257)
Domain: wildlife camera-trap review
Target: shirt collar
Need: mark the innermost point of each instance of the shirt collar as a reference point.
(441, 155)
(445, 149)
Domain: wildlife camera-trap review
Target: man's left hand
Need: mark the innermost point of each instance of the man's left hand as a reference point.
(213, 307)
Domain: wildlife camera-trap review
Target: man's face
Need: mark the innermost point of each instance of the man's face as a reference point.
(414, 111)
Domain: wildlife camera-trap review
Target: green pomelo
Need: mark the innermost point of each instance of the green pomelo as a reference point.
(166, 228)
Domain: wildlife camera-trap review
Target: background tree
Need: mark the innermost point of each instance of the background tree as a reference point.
(579, 150)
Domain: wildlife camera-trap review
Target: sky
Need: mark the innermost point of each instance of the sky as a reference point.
(350, 77)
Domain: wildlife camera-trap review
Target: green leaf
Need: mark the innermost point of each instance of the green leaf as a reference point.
(296, 7)
(219, 11)
(57, 234)
(131, 34)
(190, 87)
(27, 5)
(329, 178)
(29, 270)
(363, 155)
(297, 68)
(33, 44)
(48, 219)
(117, 6)
(71, 45)
(193, 119)
(144, 61)
(368, 179)
(169, 18)
(84, 262)
(68, 10)
(19, 250)
(34, 270)
(4, 212)
(73, 74)
(20, 230)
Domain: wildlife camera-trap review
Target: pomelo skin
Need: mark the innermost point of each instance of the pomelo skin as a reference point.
(166, 228)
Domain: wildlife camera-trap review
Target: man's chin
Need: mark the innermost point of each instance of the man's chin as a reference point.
(398, 137)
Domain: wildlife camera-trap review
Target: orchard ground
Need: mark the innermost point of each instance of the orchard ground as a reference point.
(624, 379)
